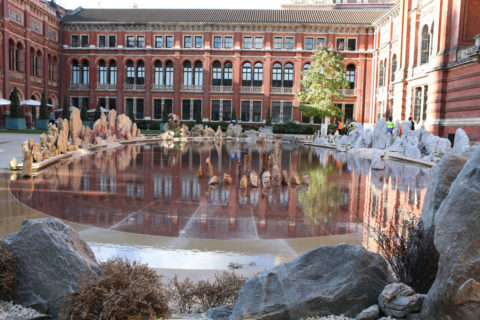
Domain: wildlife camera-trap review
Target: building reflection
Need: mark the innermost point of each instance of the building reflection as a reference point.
(153, 189)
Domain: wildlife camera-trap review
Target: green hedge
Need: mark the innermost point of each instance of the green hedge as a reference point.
(295, 128)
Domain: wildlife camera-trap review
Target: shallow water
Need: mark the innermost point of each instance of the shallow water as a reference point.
(153, 190)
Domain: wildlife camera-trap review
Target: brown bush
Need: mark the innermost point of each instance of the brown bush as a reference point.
(8, 269)
(203, 295)
(410, 251)
(124, 290)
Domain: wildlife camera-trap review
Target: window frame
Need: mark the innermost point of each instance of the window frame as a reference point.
(155, 37)
(184, 43)
(287, 43)
(312, 39)
(275, 47)
(249, 43)
(225, 42)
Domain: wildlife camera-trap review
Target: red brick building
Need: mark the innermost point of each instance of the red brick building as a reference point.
(403, 58)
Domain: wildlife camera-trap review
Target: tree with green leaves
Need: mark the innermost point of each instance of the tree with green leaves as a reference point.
(268, 118)
(234, 116)
(43, 108)
(83, 113)
(98, 113)
(198, 116)
(66, 109)
(321, 84)
(15, 111)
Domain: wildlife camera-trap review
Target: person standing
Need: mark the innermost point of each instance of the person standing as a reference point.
(339, 126)
(412, 124)
(52, 117)
(390, 125)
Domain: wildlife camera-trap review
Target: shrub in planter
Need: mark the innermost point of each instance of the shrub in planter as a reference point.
(8, 269)
(15, 120)
(294, 128)
(124, 290)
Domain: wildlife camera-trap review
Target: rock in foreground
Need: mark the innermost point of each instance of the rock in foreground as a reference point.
(342, 279)
(50, 258)
(398, 300)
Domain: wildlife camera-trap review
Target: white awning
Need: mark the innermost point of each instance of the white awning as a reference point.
(102, 109)
(30, 102)
(4, 102)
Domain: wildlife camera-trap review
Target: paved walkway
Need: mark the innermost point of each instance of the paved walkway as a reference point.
(11, 146)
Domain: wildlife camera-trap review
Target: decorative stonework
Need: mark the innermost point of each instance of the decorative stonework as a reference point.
(52, 34)
(15, 15)
(36, 26)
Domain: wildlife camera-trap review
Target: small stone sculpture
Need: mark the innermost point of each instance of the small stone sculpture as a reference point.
(27, 157)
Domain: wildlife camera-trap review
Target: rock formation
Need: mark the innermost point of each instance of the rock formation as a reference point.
(174, 121)
(208, 132)
(461, 144)
(124, 125)
(234, 130)
(100, 127)
(378, 162)
(27, 157)
(380, 134)
(398, 300)
(75, 126)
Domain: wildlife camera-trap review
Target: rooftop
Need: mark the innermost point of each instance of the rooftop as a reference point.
(357, 17)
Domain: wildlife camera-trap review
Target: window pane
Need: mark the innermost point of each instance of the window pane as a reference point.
(112, 42)
(258, 42)
(257, 111)
(186, 110)
(75, 41)
(140, 42)
(197, 107)
(169, 41)
(158, 41)
(84, 41)
(187, 74)
(158, 74)
(102, 102)
(157, 108)
(227, 74)
(247, 42)
(216, 74)
(128, 105)
(275, 111)
(308, 43)
(227, 110)
(198, 74)
(288, 76)
(167, 104)
(139, 114)
(215, 110)
(340, 44)
(348, 112)
(287, 111)
(247, 74)
(320, 42)
(198, 41)
(228, 42)
(258, 75)
(277, 75)
(169, 74)
(112, 103)
(245, 112)
(130, 41)
(352, 44)
(187, 41)
(217, 42)
(101, 41)
(277, 43)
(289, 43)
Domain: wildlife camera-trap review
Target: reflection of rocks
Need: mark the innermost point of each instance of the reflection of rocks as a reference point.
(377, 160)
(306, 180)
(285, 179)
(213, 180)
(200, 171)
(210, 167)
(254, 179)
(294, 180)
(244, 182)
(266, 179)
(227, 179)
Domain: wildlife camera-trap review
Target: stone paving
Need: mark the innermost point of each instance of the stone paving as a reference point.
(11, 146)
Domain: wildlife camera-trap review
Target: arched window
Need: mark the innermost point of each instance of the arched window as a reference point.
(277, 75)
(198, 74)
(425, 48)
(169, 73)
(288, 75)
(247, 74)
(38, 64)
(351, 75)
(158, 73)
(216, 74)
(33, 62)
(140, 72)
(130, 75)
(112, 72)
(75, 72)
(19, 58)
(227, 73)
(102, 72)
(306, 66)
(258, 75)
(187, 73)
(11, 55)
(394, 67)
(85, 72)
(381, 74)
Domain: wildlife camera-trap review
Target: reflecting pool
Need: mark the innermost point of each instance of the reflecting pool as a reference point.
(153, 190)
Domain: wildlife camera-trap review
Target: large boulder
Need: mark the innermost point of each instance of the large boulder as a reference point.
(378, 162)
(50, 258)
(380, 134)
(412, 148)
(342, 279)
(76, 126)
(443, 175)
(455, 294)
(461, 144)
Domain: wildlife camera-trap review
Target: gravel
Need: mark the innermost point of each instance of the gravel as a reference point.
(8, 310)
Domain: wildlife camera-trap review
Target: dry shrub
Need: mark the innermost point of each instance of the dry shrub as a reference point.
(410, 251)
(8, 269)
(124, 290)
(187, 296)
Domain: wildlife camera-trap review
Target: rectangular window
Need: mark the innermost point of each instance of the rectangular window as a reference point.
(418, 104)
(112, 103)
(84, 41)
(169, 42)
(227, 110)
(258, 42)
(140, 109)
(130, 42)
(187, 41)
(308, 43)
(129, 106)
(185, 109)
(140, 42)
(425, 98)
(287, 111)
(275, 111)
(215, 110)
(340, 44)
(228, 42)
(112, 41)
(245, 112)
(158, 41)
(217, 42)
(167, 104)
(278, 43)
(75, 102)
(102, 41)
(102, 102)
(74, 43)
(157, 108)
(247, 42)
(321, 41)
(352, 44)
(348, 112)
(257, 111)
(85, 102)
(289, 43)
(198, 42)
(197, 108)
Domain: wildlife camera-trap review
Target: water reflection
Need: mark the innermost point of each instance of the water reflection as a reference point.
(153, 189)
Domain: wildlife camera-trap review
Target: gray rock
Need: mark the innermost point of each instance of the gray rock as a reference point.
(431, 144)
(397, 300)
(389, 140)
(443, 175)
(444, 146)
(355, 133)
(342, 279)
(378, 163)
(289, 138)
(396, 131)
(51, 257)
(341, 144)
(219, 313)
(321, 141)
(406, 128)
(461, 144)
(412, 149)
(358, 144)
(368, 138)
(455, 293)
(380, 134)
(371, 313)
(397, 146)
(234, 130)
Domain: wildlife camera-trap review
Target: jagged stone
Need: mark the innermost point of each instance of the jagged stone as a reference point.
(398, 300)
(461, 144)
(380, 134)
(378, 162)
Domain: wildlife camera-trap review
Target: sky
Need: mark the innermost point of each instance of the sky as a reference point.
(210, 4)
